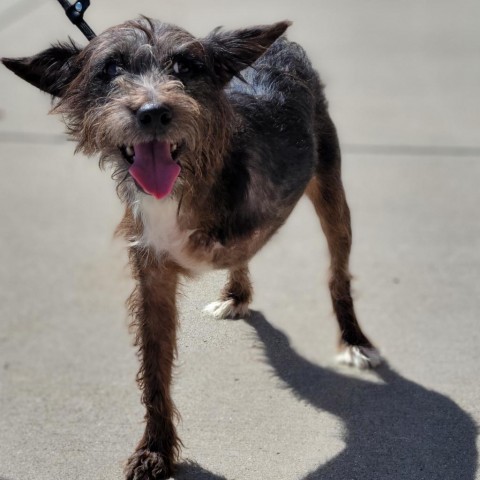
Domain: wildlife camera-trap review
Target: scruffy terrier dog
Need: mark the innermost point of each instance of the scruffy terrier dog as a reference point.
(212, 142)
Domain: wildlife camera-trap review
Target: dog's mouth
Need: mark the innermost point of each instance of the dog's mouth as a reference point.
(154, 166)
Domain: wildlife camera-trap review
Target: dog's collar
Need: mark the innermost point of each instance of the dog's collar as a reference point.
(75, 13)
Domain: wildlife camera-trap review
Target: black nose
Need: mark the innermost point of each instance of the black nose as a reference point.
(154, 116)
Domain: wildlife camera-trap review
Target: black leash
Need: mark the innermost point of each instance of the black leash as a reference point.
(75, 13)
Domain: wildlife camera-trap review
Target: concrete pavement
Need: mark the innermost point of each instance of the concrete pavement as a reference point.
(260, 399)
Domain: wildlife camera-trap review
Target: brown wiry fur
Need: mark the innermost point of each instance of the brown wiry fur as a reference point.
(153, 308)
(234, 191)
(238, 287)
(326, 192)
(104, 125)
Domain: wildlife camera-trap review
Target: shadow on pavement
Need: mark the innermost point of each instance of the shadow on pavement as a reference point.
(193, 471)
(395, 430)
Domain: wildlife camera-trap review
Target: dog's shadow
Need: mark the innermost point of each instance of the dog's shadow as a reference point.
(394, 430)
(189, 470)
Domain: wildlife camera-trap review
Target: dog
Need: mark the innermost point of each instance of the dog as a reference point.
(212, 141)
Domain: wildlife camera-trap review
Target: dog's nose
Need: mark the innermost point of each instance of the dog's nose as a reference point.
(154, 116)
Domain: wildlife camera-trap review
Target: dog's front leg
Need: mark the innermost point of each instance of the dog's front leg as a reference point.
(152, 305)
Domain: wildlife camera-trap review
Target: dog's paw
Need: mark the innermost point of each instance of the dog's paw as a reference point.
(359, 357)
(147, 465)
(227, 309)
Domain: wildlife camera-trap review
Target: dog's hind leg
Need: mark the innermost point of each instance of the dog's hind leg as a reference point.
(152, 305)
(326, 192)
(235, 297)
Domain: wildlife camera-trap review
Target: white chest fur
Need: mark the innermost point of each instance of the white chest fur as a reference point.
(162, 232)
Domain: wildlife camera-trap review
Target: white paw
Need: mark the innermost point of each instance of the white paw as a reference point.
(359, 357)
(226, 309)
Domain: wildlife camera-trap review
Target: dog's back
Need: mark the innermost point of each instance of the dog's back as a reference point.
(273, 156)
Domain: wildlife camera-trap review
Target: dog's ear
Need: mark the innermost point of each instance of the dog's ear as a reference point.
(51, 70)
(231, 51)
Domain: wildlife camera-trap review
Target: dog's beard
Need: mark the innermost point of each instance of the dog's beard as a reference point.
(198, 138)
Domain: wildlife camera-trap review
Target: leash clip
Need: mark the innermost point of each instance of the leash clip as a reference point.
(75, 12)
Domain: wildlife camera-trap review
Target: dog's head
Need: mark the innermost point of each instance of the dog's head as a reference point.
(148, 97)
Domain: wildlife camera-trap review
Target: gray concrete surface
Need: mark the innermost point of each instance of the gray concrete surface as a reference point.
(260, 399)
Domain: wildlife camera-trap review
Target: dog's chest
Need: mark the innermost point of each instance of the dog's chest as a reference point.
(162, 232)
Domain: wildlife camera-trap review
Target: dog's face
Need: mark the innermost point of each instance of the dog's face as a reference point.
(148, 97)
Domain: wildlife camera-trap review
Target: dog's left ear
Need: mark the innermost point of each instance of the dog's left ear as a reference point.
(51, 70)
(232, 51)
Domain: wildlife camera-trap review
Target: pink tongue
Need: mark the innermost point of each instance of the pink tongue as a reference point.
(154, 168)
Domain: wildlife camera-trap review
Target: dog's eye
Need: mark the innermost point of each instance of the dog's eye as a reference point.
(181, 68)
(112, 70)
